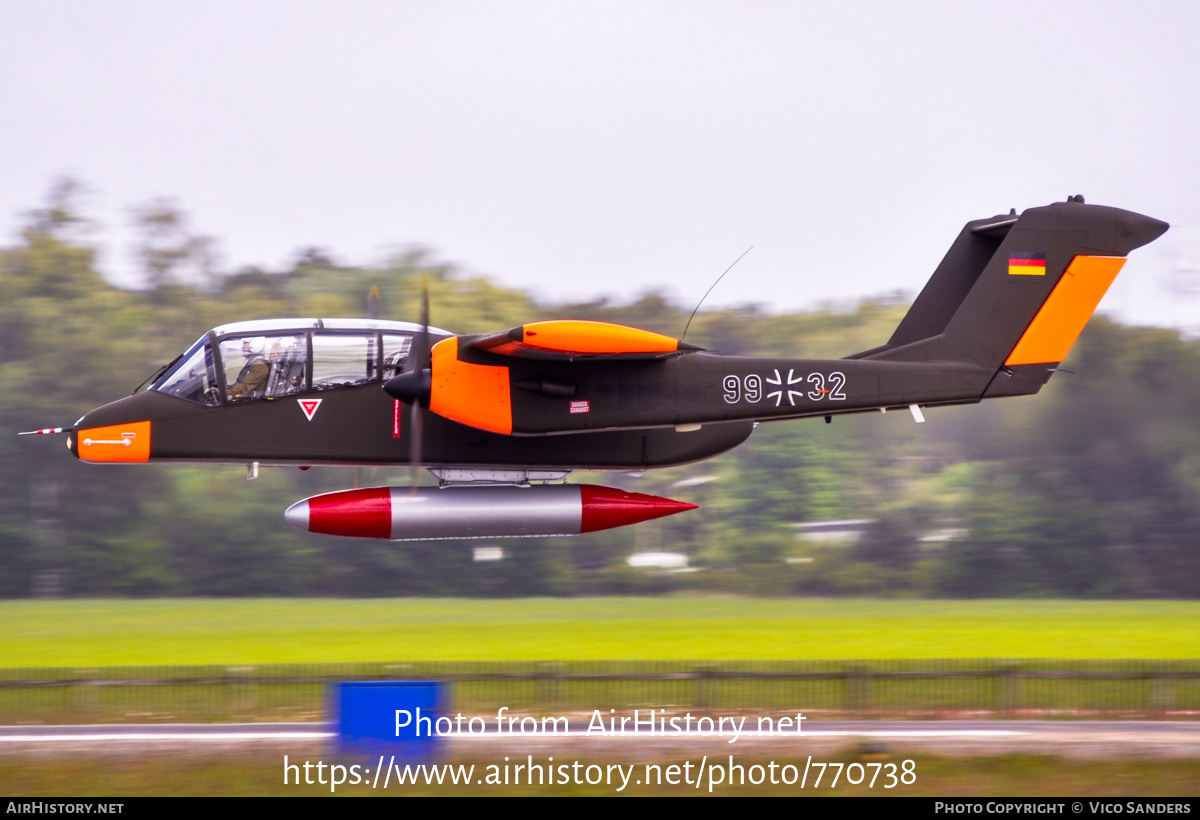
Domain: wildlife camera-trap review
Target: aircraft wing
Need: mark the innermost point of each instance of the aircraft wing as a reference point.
(469, 386)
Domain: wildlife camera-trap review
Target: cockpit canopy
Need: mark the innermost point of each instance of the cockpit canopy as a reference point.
(245, 361)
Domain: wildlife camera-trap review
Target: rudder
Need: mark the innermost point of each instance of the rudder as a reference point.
(1014, 292)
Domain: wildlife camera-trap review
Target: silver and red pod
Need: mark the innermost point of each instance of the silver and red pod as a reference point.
(430, 513)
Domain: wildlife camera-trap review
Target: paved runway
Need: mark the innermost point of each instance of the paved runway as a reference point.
(1064, 738)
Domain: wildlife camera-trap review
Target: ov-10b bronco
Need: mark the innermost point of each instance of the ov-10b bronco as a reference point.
(501, 418)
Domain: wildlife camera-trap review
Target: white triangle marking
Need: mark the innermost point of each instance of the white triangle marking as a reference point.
(309, 406)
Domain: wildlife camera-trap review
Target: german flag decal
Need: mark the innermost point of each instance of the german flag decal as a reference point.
(1027, 264)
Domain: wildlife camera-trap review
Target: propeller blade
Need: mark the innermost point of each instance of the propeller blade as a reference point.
(420, 349)
(374, 297)
(417, 381)
(413, 385)
(416, 431)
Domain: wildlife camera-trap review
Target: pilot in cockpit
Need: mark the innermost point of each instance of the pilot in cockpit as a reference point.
(252, 381)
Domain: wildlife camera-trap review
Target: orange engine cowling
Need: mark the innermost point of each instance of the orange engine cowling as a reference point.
(474, 394)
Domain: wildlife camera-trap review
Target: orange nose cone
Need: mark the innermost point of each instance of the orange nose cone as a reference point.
(129, 443)
(605, 507)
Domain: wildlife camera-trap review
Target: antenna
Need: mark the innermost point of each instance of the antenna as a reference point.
(710, 289)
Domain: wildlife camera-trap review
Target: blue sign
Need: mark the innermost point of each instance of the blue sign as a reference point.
(397, 718)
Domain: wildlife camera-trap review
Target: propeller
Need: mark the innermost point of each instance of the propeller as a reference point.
(414, 385)
(374, 297)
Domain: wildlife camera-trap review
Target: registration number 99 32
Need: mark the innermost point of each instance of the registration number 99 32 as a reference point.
(753, 388)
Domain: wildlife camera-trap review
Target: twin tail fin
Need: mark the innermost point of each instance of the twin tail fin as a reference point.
(1014, 292)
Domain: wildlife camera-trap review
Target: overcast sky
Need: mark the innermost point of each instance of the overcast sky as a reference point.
(581, 149)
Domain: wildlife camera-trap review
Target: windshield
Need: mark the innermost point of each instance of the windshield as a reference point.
(194, 378)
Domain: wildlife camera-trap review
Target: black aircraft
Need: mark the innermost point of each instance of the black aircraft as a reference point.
(501, 418)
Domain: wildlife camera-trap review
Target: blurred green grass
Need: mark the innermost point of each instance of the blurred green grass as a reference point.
(258, 631)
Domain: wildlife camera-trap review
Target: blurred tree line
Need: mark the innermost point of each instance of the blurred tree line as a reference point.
(1091, 489)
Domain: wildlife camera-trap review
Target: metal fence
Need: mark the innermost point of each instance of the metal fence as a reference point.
(297, 692)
